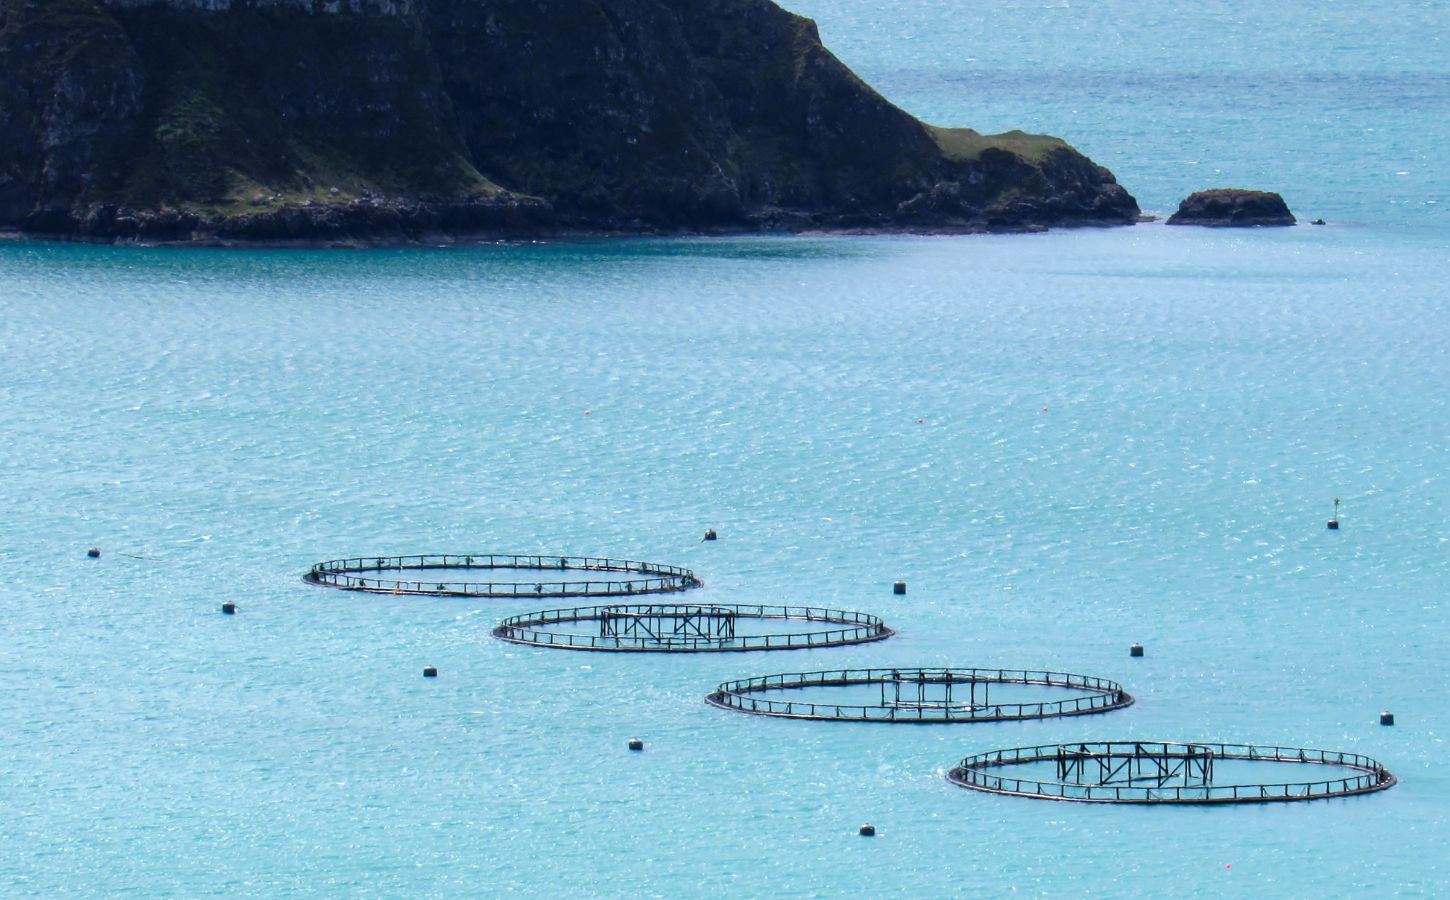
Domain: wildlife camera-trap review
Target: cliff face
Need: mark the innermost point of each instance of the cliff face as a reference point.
(323, 119)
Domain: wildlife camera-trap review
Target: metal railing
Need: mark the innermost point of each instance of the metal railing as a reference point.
(530, 628)
(972, 772)
(356, 574)
(1104, 695)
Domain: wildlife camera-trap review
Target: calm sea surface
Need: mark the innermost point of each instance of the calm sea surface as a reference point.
(1063, 443)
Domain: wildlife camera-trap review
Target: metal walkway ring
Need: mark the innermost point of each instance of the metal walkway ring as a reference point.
(367, 574)
(922, 695)
(683, 628)
(1144, 772)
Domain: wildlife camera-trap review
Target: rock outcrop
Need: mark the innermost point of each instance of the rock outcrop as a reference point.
(1232, 208)
(387, 119)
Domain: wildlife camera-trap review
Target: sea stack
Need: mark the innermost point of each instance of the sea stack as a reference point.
(1232, 208)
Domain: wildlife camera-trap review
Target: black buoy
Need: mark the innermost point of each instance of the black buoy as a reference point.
(1387, 718)
(899, 588)
(868, 830)
(1317, 222)
(636, 744)
(1135, 650)
(229, 608)
(94, 553)
(430, 672)
(1334, 522)
(710, 535)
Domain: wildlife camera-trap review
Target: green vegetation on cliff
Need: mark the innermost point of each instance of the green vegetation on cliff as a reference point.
(238, 119)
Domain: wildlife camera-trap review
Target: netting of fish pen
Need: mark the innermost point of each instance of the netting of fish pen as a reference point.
(1161, 772)
(384, 575)
(930, 695)
(686, 628)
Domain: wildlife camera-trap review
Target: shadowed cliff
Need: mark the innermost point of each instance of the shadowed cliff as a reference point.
(389, 119)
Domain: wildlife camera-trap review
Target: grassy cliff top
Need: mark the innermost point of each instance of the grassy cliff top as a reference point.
(966, 145)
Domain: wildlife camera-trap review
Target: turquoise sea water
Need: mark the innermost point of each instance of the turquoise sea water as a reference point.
(1126, 435)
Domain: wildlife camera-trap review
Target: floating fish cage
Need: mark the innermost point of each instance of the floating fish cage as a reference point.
(687, 628)
(384, 575)
(922, 695)
(1159, 772)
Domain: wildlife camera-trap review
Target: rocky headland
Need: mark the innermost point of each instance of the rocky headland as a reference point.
(388, 120)
(1233, 208)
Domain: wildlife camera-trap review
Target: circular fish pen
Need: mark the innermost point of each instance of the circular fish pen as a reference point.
(382, 575)
(922, 695)
(1144, 772)
(691, 628)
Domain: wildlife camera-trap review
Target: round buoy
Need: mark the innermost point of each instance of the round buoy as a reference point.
(430, 672)
(868, 830)
(94, 553)
(229, 608)
(1135, 650)
(1387, 718)
(710, 534)
(898, 588)
(636, 744)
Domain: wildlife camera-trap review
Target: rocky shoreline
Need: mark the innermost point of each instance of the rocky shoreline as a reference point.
(376, 239)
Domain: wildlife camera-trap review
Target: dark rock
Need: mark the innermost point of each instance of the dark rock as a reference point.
(302, 120)
(1232, 208)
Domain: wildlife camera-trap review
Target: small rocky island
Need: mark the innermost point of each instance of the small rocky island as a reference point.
(1232, 208)
(389, 120)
